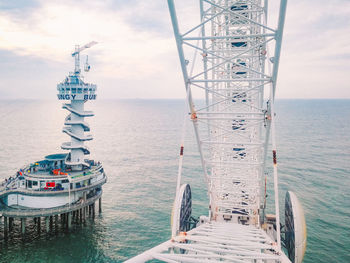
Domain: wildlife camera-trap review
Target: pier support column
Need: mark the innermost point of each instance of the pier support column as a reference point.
(93, 210)
(63, 220)
(51, 223)
(100, 205)
(69, 220)
(11, 219)
(39, 224)
(85, 207)
(80, 215)
(47, 224)
(23, 226)
(83, 214)
(56, 222)
(5, 226)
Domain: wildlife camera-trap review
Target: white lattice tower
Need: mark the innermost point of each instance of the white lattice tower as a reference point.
(235, 112)
(231, 63)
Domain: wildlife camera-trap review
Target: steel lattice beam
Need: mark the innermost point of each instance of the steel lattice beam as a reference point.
(232, 129)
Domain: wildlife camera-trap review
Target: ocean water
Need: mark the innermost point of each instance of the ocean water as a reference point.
(138, 143)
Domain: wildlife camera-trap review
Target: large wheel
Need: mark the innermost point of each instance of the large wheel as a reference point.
(295, 235)
(182, 210)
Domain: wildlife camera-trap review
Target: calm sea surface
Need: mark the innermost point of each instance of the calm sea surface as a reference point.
(138, 143)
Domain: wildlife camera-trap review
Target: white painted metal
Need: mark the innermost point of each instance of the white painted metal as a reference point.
(217, 242)
(232, 130)
(42, 202)
(76, 55)
(234, 78)
(296, 226)
(181, 210)
(73, 88)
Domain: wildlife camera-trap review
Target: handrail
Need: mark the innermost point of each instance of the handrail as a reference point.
(5, 191)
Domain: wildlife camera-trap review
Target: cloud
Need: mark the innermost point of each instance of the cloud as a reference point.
(126, 53)
(18, 6)
(315, 50)
(136, 55)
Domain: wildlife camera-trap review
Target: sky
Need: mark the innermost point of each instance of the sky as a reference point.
(136, 56)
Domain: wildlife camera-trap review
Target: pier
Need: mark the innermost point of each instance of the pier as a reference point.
(47, 218)
(62, 186)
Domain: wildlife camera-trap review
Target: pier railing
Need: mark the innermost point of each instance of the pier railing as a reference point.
(4, 190)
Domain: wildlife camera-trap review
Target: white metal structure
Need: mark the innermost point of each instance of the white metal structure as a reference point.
(61, 182)
(233, 67)
(295, 228)
(73, 88)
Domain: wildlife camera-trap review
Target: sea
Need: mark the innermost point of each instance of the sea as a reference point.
(138, 143)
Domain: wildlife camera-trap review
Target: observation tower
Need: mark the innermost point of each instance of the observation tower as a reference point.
(66, 184)
(73, 88)
(231, 57)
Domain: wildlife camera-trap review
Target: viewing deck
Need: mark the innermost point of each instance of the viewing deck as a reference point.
(41, 179)
(49, 192)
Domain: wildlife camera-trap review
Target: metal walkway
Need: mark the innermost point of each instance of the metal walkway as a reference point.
(217, 242)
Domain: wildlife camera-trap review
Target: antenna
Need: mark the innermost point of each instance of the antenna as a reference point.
(76, 55)
(87, 66)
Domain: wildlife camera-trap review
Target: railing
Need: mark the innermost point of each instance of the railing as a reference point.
(4, 190)
(93, 169)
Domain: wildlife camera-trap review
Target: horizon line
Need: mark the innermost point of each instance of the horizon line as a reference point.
(111, 99)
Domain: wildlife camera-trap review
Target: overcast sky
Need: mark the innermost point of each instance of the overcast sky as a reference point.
(136, 56)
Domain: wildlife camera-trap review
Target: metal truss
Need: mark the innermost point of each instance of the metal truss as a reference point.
(217, 242)
(233, 69)
(233, 45)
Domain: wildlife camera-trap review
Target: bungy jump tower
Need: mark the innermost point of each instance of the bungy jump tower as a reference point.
(66, 184)
(232, 57)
